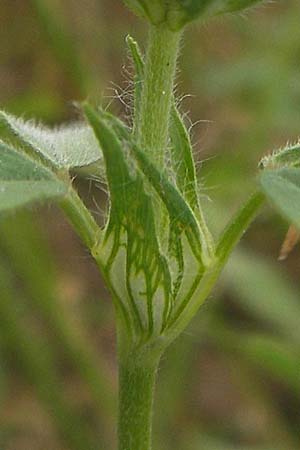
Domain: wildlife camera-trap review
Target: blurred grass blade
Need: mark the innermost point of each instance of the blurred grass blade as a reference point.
(28, 253)
(263, 291)
(277, 357)
(282, 187)
(61, 42)
(64, 147)
(23, 181)
(38, 364)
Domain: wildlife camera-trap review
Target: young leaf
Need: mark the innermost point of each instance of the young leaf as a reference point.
(188, 250)
(282, 187)
(181, 215)
(288, 156)
(183, 162)
(153, 10)
(129, 253)
(176, 13)
(23, 181)
(181, 12)
(66, 147)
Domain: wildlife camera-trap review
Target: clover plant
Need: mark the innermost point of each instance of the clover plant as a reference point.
(155, 252)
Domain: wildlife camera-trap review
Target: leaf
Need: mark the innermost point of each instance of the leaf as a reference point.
(130, 253)
(181, 12)
(188, 250)
(177, 13)
(154, 10)
(23, 181)
(282, 187)
(183, 162)
(288, 156)
(67, 147)
(182, 218)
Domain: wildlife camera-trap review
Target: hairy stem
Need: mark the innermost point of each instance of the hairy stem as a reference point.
(136, 387)
(137, 374)
(153, 123)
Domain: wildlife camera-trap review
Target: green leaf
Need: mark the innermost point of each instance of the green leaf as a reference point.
(23, 181)
(129, 253)
(188, 251)
(176, 13)
(66, 147)
(181, 12)
(183, 162)
(288, 156)
(153, 10)
(181, 216)
(282, 187)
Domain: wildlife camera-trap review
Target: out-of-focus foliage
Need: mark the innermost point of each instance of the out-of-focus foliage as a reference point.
(232, 381)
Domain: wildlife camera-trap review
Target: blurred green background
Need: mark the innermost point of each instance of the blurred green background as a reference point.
(232, 381)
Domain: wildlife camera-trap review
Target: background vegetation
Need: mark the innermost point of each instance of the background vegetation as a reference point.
(233, 380)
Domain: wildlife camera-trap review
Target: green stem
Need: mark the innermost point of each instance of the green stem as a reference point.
(229, 239)
(157, 92)
(136, 373)
(81, 219)
(136, 387)
(238, 225)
